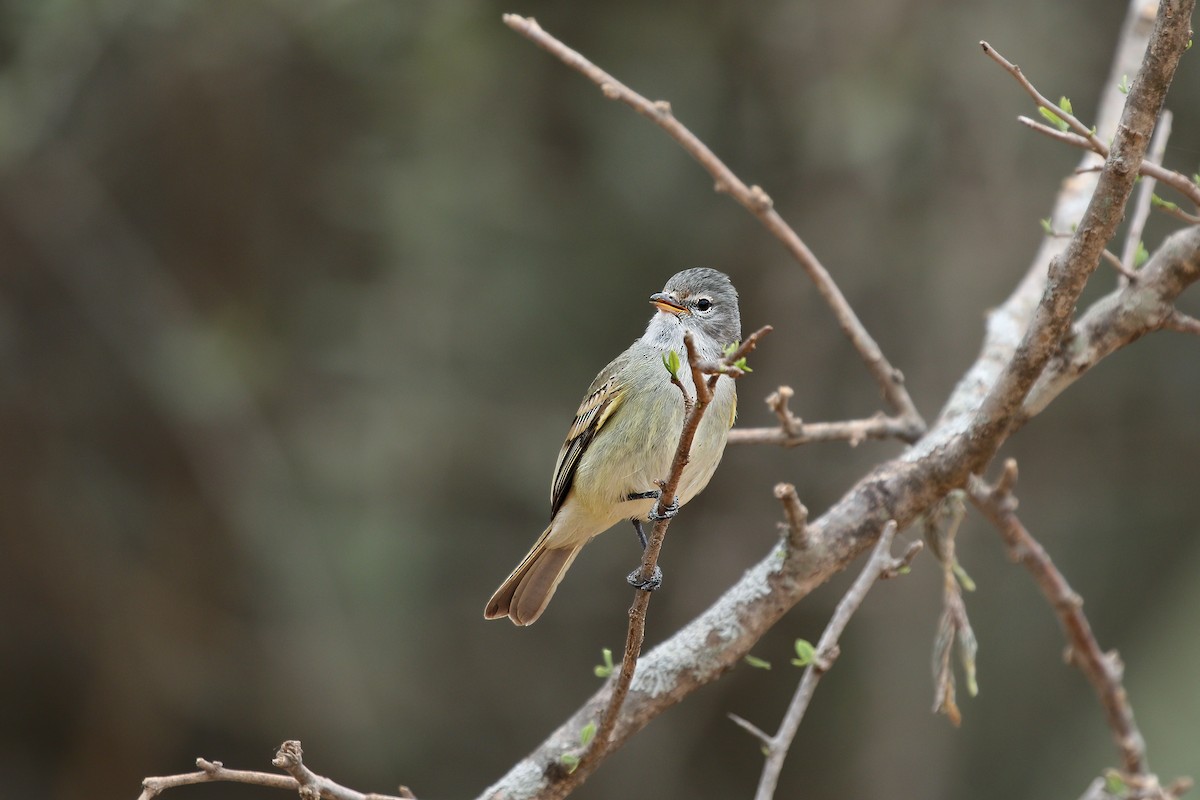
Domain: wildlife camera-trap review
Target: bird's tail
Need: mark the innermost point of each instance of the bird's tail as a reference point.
(525, 594)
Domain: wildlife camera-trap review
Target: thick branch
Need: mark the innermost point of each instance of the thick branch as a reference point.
(753, 198)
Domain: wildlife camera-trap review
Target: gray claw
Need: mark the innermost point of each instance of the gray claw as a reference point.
(635, 579)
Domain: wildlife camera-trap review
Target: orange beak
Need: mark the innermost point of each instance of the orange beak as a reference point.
(668, 304)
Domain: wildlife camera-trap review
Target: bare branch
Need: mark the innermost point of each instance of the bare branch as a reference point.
(797, 516)
(1121, 317)
(753, 198)
(1148, 169)
(289, 758)
(854, 431)
(1141, 203)
(1083, 130)
(1178, 321)
(954, 632)
(1084, 136)
(880, 565)
(1103, 670)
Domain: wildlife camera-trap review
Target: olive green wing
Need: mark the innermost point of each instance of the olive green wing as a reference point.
(595, 410)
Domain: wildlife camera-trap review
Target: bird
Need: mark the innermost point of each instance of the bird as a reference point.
(624, 438)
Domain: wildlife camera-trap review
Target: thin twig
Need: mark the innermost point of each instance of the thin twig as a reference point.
(1148, 169)
(753, 198)
(1103, 670)
(1126, 273)
(1181, 322)
(797, 516)
(853, 431)
(289, 758)
(1012, 69)
(793, 432)
(1145, 192)
(879, 566)
(1084, 136)
(954, 631)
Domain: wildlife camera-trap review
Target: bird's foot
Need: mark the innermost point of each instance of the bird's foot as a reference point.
(636, 581)
(667, 513)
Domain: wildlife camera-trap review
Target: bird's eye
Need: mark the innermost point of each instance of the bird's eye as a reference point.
(704, 305)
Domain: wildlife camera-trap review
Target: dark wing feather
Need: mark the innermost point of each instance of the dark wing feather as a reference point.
(594, 411)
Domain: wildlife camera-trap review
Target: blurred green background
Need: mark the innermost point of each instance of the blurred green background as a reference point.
(297, 298)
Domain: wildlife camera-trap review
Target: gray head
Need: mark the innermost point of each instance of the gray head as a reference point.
(703, 301)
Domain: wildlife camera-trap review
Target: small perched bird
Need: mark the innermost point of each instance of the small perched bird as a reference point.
(625, 435)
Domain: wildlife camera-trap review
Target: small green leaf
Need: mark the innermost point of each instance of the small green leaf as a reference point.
(1141, 256)
(1114, 783)
(570, 761)
(1053, 118)
(732, 348)
(964, 580)
(741, 364)
(805, 653)
(587, 734)
(606, 669)
(1047, 228)
(1166, 205)
(1064, 103)
(670, 360)
(1123, 86)
(757, 663)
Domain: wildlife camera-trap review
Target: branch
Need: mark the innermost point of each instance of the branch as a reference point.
(289, 758)
(1182, 323)
(1103, 670)
(879, 566)
(954, 626)
(797, 516)
(1069, 271)
(1142, 203)
(753, 198)
(1084, 136)
(563, 782)
(1121, 317)
(792, 432)
(1148, 168)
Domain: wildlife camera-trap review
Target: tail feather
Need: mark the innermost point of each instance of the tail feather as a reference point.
(525, 594)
